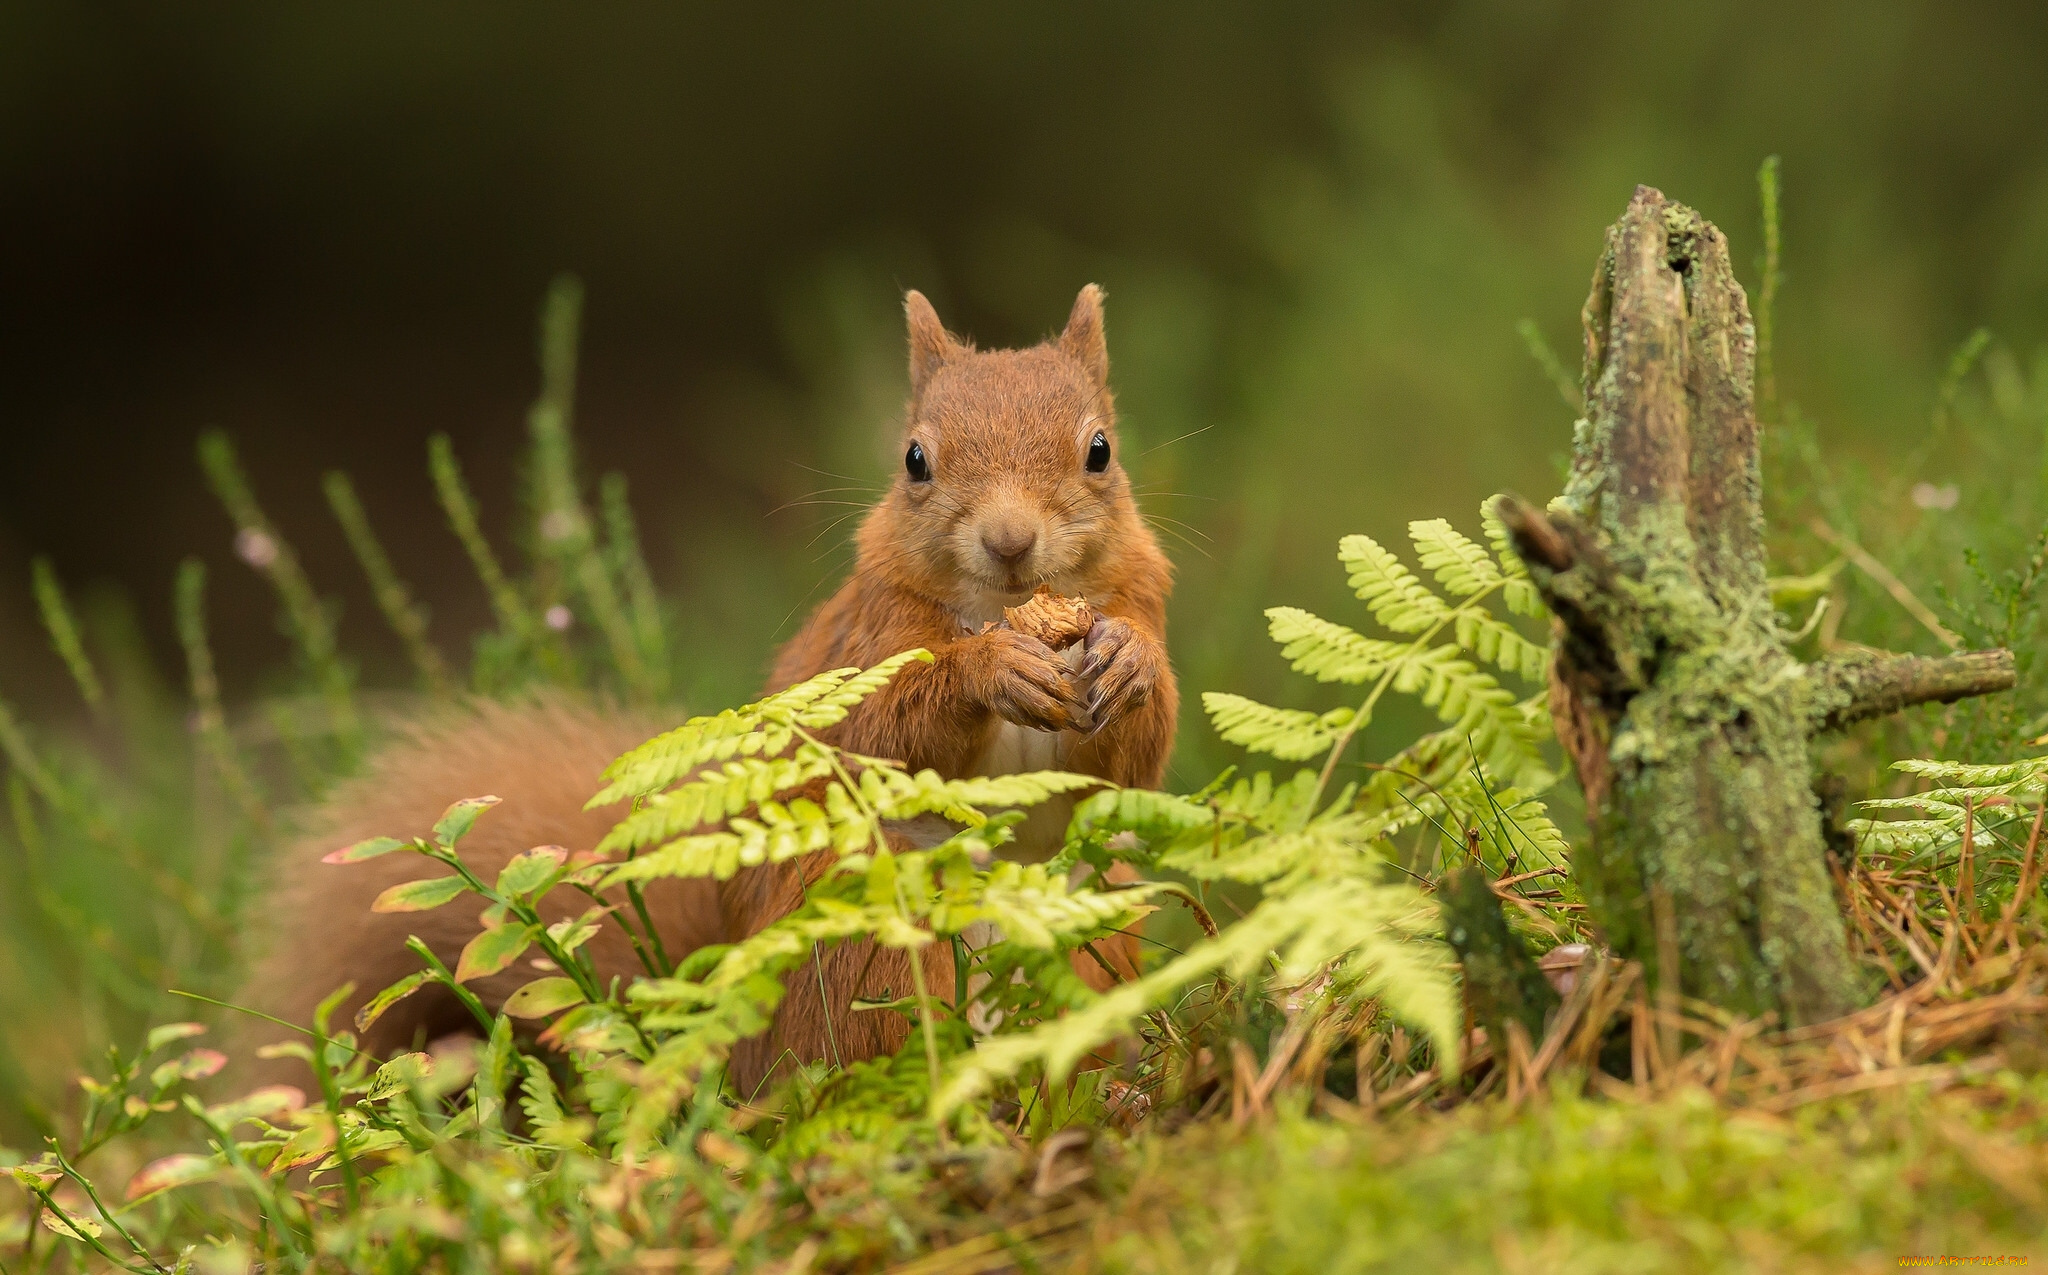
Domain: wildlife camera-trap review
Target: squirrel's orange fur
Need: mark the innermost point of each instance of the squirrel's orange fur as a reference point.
(1008, 500)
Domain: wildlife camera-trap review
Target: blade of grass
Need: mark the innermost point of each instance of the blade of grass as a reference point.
(1553, 367)
(1767, 294)
(629, 565)
(406, 617)
(209, 721)
(63, 631)
(566, 536)
(307, 620)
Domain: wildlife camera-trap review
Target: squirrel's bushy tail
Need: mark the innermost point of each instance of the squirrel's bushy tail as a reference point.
(543, 758)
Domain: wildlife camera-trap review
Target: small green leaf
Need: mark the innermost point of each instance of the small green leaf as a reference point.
(390, 996)
(1288, 733)
(459, 818)
(1458, 564)
(543, 996)
(575, 932)
(398, 1075)
(362, 850)
(325, 1009)
(420, 896)
(307, 1145)
(530, 871)
(37, 1175)
(492, 950)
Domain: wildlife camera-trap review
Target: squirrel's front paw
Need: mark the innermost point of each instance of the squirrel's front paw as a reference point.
(1124, 664)
(1028, 683)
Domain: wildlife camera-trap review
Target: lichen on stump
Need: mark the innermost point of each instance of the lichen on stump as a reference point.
(1672, 689)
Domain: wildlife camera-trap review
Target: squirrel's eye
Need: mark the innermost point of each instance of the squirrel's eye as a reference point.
(914, 464)
(1098, 453)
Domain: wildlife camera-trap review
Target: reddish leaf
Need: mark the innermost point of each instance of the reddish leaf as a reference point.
(171, 1171)
(362, 850)
(195, 1065)
(168, 1032)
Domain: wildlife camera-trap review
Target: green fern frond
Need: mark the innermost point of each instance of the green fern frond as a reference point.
(1517, 590)
(1904, 836)
(1525, 821)
(1290, 734)
(1151, 816)
(764, 728)
(1499, 644)
(1513, 759)
(668, 757)
(541, 1100)
(1516, 823)
(825, 700)
(876, 1104)
(1383, 941)
(715, 793)
(1033, 905)
(1329, 845)
(1922, 803)
(1398, 600)
(896, 795)
(1955, 774)
(1328, 651)
(1988, 797)
(1458, 564)
(1473, 703)
(1275, 806)
(1490, 720)
(778, 834)
(1360, 925)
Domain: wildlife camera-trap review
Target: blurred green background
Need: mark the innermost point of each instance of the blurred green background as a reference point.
(327, 231)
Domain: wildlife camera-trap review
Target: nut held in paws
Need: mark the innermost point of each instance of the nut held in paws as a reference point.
(1056, 621)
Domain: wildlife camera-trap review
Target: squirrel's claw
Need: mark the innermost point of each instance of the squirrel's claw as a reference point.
(1123, 668)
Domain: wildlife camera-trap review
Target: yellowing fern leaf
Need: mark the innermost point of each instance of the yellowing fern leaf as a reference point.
(1458, 564)
(1328, 651)
(1497, 643)
(1398, 600)
(1290, 734)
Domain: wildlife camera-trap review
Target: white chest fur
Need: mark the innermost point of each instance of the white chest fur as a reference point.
(1016, 750)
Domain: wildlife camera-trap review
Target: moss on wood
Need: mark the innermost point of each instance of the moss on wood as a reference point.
(1687, 718)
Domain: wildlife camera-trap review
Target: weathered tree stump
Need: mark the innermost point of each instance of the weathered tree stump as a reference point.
(1671, 687)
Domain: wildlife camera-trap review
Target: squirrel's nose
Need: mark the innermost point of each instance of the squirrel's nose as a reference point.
(1008, 545)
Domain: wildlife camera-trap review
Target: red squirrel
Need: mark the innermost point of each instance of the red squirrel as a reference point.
(1010, 480)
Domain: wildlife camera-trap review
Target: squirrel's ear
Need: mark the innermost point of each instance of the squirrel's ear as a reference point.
(1083, 338)
(929, 344)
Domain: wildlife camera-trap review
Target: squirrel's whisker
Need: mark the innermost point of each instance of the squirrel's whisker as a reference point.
(1171, 441)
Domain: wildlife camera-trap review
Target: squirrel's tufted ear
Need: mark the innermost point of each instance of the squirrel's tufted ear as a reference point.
(1083, 338)
(929, 344)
